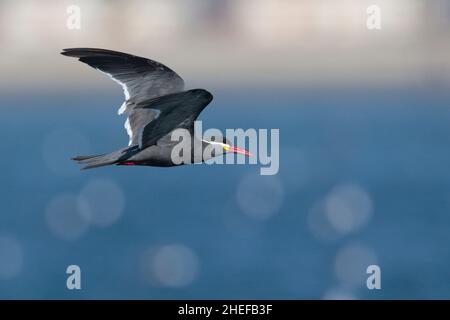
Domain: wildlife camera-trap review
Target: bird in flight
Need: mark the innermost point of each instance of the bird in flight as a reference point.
(156, 105)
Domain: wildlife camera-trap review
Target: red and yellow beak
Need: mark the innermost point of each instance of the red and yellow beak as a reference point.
(234, 149)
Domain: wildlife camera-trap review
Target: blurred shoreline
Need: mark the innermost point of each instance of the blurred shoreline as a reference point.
(233, 42)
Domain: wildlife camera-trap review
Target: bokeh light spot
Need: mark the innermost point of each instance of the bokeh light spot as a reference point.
(64, 218)
(171, 266)
(351, 264)
(102, 202)
(260, 197)
(348, 208)
(11, 257)
(339, 294)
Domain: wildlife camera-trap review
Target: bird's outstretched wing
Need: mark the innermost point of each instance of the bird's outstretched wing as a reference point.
(177, 110)
(140, 78)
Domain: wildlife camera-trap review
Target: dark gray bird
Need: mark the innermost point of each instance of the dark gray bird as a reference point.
(156, 106)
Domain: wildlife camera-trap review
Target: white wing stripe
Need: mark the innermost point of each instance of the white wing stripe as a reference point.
(129, 130)
(124, 87)
(122, 108)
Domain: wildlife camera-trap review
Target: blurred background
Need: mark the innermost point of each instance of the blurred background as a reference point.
(364, 152)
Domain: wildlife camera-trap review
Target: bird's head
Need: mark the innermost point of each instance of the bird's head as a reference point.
(227, 147)
(199, 96)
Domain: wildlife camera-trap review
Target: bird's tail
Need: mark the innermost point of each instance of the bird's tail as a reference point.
(95, 161)
(100, 160)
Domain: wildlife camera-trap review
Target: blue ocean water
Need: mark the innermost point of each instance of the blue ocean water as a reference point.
(196, 231)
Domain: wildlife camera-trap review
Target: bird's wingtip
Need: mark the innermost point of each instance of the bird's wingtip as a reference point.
(67, 52)
(74, 52)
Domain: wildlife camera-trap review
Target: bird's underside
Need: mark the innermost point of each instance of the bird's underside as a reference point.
(155, 105)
